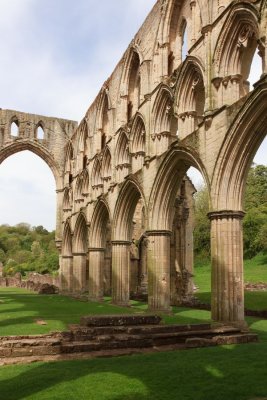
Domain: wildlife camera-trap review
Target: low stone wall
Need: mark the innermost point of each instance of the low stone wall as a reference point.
(33, 282)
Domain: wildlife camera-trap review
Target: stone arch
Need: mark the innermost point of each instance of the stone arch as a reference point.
(122, 157)
(67, 240)
(238, 150)
(39, 132)
(15, 123)
(78, 189)
(85, 183)
(190, 96)
(134, 82)
(177, 17)
(80, 249)
(164, 123)
(96, 180)
(138, 142)
(100, 218)
(122, 228)
(82, 150)
(103, 120)
(80, 235)
(67, 200)
(68, 171)
(125, 206)
(37, 149)
(106, 165)
(66, 265)
(99, 257)
(233, 54)
(168, 180)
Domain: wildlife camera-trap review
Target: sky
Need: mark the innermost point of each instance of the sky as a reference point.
(55, 56)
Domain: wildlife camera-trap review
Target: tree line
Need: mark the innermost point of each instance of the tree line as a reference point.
(24, 248)
(254, 223)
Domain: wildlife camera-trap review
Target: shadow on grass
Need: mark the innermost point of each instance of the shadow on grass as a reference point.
(233, 372)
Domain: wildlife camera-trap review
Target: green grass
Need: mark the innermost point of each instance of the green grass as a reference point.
(255, 270)
(226, 372)
(21, 308)
(232, 372)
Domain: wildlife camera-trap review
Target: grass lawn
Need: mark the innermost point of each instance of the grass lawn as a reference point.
(255, 270)
(226, 372)
(219, 373)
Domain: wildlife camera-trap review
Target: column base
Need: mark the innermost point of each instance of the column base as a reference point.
(121, 304)
(154, 310)
(96, 299)
(235, 324)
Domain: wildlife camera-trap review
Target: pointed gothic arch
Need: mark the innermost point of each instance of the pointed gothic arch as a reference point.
(138, 142)
(233, 54)
(164, 123)
(190, 96)
(122, 156)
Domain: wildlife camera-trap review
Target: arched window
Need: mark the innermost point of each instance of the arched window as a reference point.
(184, 40)
(138, 135)
(134, 86)
(40, 133)
(122, 156)
(14, 128)
(97, 183)
(165, 125)
(190, 97)
(233, 56)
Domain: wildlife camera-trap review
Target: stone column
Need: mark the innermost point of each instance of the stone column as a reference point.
(96, 276)
(66, 273)
(193, 25)
(60, 194)
(227, 266)
(79, 273)
(158, 262)
(120, 272)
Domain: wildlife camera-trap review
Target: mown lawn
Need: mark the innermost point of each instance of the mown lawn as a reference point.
(227, 372)
(255, 271)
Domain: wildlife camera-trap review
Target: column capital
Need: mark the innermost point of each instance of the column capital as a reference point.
(121, 242)
(158, 233)
(222, 214)
(92, 249)
(76, 253)
(66, 257)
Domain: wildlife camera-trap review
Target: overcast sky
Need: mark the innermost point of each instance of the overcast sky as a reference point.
(55, 55)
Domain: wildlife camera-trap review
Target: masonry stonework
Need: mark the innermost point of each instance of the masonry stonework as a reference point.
(125, 211)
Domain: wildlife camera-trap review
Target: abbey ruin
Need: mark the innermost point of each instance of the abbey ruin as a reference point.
(124, 201)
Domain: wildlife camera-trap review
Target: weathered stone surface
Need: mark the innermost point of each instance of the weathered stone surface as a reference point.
(121, 320)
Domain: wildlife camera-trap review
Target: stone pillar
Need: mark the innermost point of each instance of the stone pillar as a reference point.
(66, 273)
(79, 273)
(60, 194)
(96, 276)
(120, 272)
(193, 19)
(227, 267)
(158, 262)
